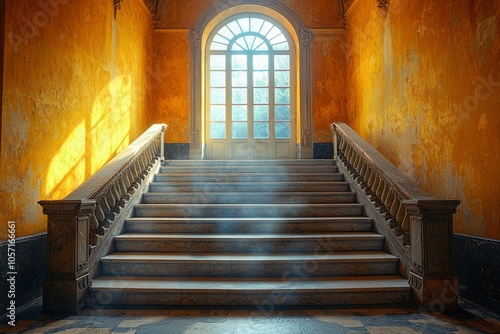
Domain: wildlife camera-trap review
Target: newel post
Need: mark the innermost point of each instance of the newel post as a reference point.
(67, 283)
(335, 142)
(434, 284)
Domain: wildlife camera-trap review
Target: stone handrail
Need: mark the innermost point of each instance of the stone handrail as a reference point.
(418, 227)
(81, 226)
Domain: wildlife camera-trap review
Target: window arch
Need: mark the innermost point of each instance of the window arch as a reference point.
(208, 25)
(250, 82)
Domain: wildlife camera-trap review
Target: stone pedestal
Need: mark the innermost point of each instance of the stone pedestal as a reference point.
(66, 286)
(431, 272)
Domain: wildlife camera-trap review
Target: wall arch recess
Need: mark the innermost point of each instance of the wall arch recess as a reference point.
(302, 39)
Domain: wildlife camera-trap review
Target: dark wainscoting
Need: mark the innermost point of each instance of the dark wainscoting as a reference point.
(31, 261)
(177, 151)
(477, 267)
(323, 151)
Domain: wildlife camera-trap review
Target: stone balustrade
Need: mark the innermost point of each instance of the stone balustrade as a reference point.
(418, 227)
(82, 225)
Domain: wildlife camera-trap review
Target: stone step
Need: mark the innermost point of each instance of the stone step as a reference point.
(248, 243)
(249, 265)
(249, 225)
(257, 163)
(249, 210)
(249, 177)
(249, 198)
(264, 294)
(202, 169)
(259, 187)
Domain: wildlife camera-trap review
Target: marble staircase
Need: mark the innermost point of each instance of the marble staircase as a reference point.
(249, 233)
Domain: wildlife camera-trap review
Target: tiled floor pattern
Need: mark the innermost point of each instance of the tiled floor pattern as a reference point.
(405, 320)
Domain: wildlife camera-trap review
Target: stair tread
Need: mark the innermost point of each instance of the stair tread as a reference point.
(247, 219)
(340, 235)
(338, 256)
(244, 205)
(161, 283)
(279, 162)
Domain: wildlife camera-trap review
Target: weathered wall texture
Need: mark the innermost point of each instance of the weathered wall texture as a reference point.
(172, 83)
(75, 93)
(328, 83)
(172, 59)
(424, 89)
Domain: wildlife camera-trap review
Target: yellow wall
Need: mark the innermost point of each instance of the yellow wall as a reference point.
(172, 83)
(172, 55)
(424, 89)
(76, 91)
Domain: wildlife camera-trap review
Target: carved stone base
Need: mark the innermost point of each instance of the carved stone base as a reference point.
(65, 296)
(435, 294)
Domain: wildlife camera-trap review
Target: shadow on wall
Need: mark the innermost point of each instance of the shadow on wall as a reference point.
(93, 142)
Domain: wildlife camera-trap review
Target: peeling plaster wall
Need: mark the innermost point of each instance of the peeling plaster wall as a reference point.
(424, 89)
(172, 61)
(75, 93)
(172, 83)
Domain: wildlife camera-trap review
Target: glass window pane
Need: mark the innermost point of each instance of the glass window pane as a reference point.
(261, 95)
(239, 62)
(282, 78)
(217, 130)
(260, 62)
(261, 79)
(273, 32)
(240, 44)
(235, 28)
(257, 45)
(261, 112)
(226, 32)
(250, 41)
(278, 39)
(218, 38)
(239, 95)
(217, 62)
(218, 47)
(217, 113)
(281, 62)
(244, 24)
(261, 47)
(256, 24)
(237, 47)
(217, 95)
(266, 28)
(239, 78)
(261, 130)
(282, 130)
(240, 113)
(240, 130)
(217, 79)
(282, 95)
(282, 113)
(281, 46)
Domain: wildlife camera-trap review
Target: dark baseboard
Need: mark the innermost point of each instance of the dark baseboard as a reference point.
(478, 268)
(177, 151)
(323, 151)
(31, 269)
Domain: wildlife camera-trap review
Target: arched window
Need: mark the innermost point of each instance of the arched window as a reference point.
(250, 97)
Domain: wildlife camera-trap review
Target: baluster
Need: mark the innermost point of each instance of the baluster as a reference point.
(362, 174)
(405, 227)
(389, 201)
(371, 180)
(399, 219)
(111, 215)
(99, 212)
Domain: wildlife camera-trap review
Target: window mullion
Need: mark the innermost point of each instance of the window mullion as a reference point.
(250, 96)
(272, 98)
(229, 96)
